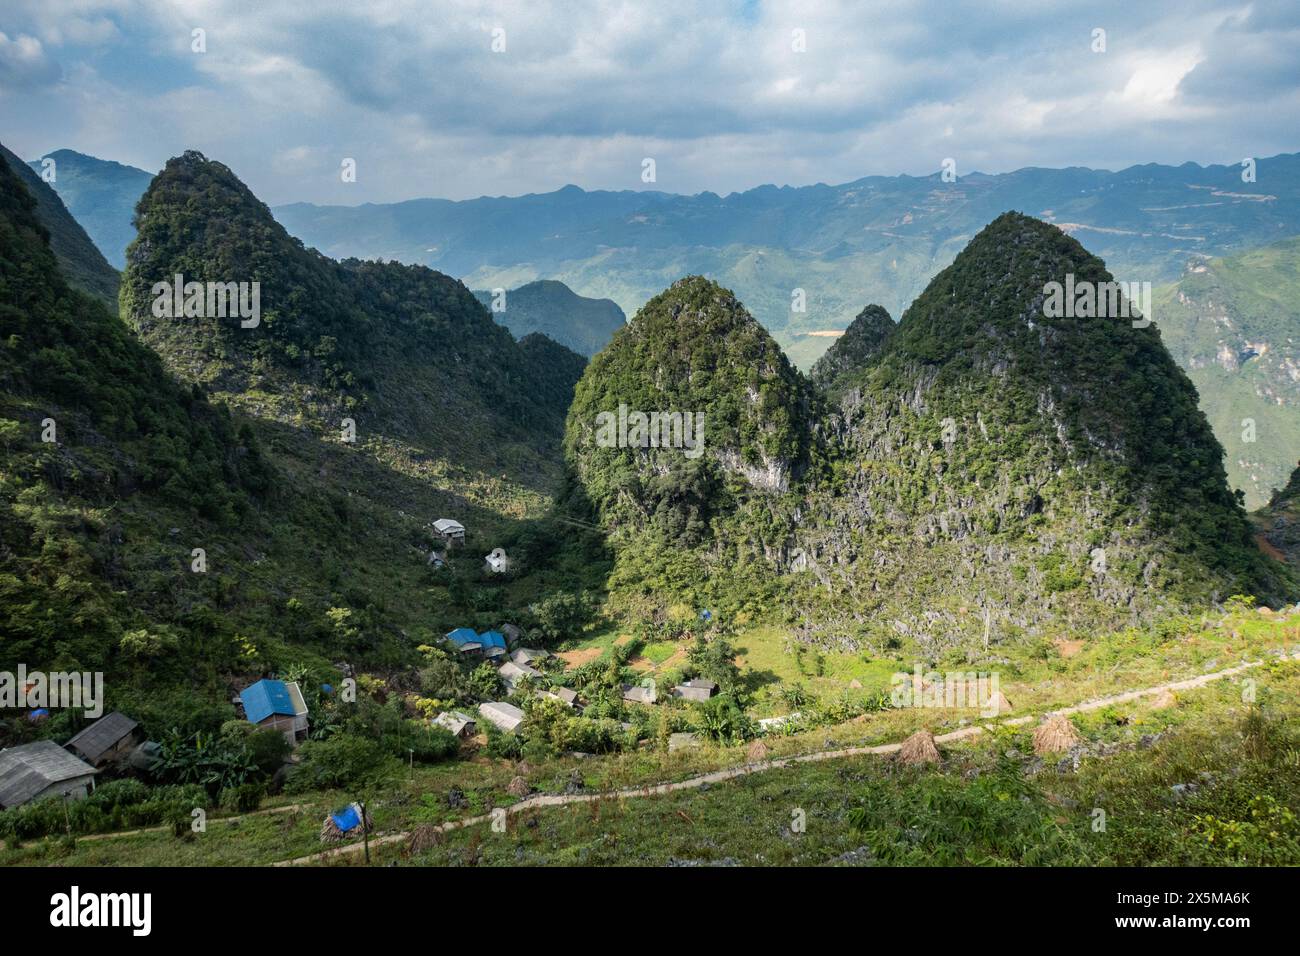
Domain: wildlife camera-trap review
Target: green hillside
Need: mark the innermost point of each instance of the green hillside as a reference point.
(990, 474)
(79, 260)
(1234, 325)
(313, 549)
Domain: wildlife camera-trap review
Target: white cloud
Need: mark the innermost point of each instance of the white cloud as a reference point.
(24, 64)
(586, 88)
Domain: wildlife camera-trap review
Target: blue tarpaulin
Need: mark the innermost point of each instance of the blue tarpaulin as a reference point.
(347, 819)
(463, 635)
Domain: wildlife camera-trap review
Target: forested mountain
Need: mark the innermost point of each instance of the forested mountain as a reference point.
(103, 450)
(101, 194)
(860, 343)
(552, 308)
(692, 352)
(403, 350)
(988, 468)
(174, 534)
(81, 263)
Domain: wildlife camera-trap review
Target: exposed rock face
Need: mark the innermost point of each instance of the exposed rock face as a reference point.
(1278, 524)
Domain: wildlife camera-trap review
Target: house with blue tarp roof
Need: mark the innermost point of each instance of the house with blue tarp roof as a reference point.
(466, 639)
(278, 704)
(494, 643)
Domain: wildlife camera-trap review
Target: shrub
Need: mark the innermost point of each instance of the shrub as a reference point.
(426, 744)
(341, 762)
(268, 748)
(244, 798)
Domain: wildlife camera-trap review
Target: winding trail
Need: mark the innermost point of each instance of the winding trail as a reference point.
(720, 776)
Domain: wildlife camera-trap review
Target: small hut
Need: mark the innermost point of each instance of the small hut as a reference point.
(107, 740)
(449, 530)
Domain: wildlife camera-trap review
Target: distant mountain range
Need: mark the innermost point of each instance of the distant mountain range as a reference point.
(878, 239)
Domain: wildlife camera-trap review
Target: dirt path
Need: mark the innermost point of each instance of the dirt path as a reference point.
(158, 829)
(731, 773)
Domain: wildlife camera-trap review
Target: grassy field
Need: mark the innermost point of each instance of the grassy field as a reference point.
(989, 802)
(1208, 781)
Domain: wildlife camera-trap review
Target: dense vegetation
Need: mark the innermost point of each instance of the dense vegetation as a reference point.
(950, 507)
(691, 350)
(990, 469)
(81, 263)
(120, 432)
(185, 547)
(855, 349)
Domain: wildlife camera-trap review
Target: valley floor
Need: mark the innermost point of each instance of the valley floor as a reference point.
(1210, 775)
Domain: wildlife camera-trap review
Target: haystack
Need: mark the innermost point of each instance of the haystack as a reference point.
(757, 751)
(999, 704)
(1055, 735)
(918, 749)
(424, 837)
(518, 787)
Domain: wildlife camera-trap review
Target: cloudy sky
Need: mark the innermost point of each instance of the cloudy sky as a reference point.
(722, 95)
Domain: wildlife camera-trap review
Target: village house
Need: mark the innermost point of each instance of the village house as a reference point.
(697, 689)
(275, 703)
(494, 644)
(512, 633)
(451, 531)
(466, 640)
(107, 740)
(565, 695)
(511, 674)
(528, 655)
(460, 725)
(504, 716)
(636, 694)
(497, 562)
(43, 769)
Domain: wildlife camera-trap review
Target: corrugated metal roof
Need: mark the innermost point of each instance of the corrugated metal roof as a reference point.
(463, 635)
(101, 736)
(265, 698)
(27, 770)
(493, 639)
(506, 716)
